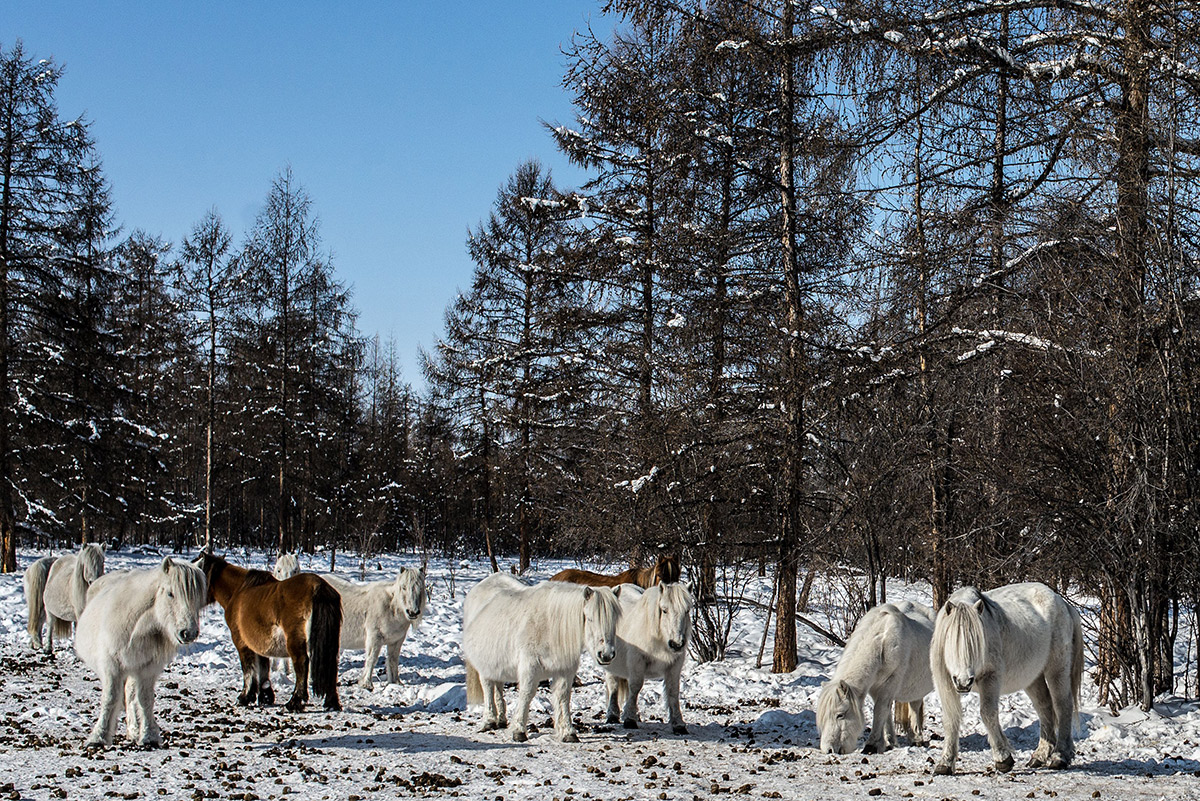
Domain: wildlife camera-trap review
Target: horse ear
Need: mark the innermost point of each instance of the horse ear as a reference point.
(617, 590)
(843, 689)
(166, 565)
(980, 605)
(587, 593)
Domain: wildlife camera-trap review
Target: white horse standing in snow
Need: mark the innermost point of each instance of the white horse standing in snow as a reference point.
(652, 639)
(1021, 636)
(380, 613)
(515, 632)
(65, 592)
(286, 566)
(134, 622)
(35, 589)
(886, 657)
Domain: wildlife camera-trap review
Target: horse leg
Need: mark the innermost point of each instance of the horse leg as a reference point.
(370, 658)
(490, 716)
(297, 647)
(671, 698)
(498, 705)
(1063, 697)
(526, 687)
(266, 693)
(249, 675)
(560, 693)
(612, 688)
(133, 722)
(881, 723)
(916, 716)
(952, 720)
(1039, 694)
(149, 735)
(393, 659)
(989, 711)
(112, 698)
(630, 715)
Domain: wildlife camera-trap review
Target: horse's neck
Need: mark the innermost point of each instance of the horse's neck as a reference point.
(228, 581)
(859, 665)
(79, 584)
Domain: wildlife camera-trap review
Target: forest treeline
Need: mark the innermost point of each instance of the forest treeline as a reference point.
(904, 287)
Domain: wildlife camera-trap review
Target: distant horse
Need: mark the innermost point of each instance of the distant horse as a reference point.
(35, 589)
(652, 640)
(299, 618)
(380, 613)
(515, 632)
(65, 592)
(665, 571)
(887, 657)
(1021, 636)
(131, 627)
(286, 566)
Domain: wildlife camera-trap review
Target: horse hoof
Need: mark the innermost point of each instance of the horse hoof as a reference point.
(1005, 765)
(266, 698)
(1035, 762)
(1058, 762)
(942, 770)
(244, 700)
(333, 705)
(571, 738)
(613, 719)
(630, 724)
(295, 705)
(679, 729)
(520, 736)
(490, 726)
(870, 748)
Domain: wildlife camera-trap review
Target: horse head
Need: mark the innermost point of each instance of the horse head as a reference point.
(964, 642)
(91, 562)
(666, 570)
(840, 717)
(600, 612)
(181, 594)
(211, 566)
(674, 613)
(409, 594)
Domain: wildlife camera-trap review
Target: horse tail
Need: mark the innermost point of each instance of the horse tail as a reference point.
(35, 591)
(61, 628)
(902, 715)
(325, 630)
(1076, 669)
(474, 685)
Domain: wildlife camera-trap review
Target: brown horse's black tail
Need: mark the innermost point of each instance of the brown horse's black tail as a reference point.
(325, 629)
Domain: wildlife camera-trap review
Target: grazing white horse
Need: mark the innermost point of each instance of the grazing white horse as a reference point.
(66, 589)
(652, 639)
(886, 657)
(134, 622)
(380, 613)
(286, 566)
(527, 634)
(1021, 636)
(35, 588)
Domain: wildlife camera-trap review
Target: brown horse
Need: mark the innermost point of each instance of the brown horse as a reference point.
(299, 617)
(665, 571)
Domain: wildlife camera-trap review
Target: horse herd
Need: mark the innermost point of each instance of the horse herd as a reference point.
(130, 623)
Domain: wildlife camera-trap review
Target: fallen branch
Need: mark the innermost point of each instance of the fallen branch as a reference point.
(829, 635)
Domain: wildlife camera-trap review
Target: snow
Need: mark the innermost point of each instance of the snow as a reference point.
(751, 732)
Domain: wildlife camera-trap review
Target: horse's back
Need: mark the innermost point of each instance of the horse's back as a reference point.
(574, 575)
(1035, 630)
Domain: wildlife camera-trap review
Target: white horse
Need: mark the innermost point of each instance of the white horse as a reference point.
(652, 639)
(515, 632)
(134, 622)
(380, 613)
(65, 592)
(886, 657)
(35, 589)
(1022, 636)
(286, 566)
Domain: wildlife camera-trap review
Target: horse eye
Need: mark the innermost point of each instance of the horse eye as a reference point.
(841, 717)
(170, 594)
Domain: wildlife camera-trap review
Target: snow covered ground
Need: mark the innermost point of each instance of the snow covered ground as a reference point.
(752, 733)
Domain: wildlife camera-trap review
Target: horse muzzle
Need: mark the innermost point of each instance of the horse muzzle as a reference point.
(412, 614)
(675, 645)
(605, 658)
(964, 687)
(188, 636)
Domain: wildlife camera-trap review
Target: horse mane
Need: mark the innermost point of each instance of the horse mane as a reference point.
(666, 570)
(189, 581)
(91, 561)
(418, 577)
(564, 608)
(256, 578)
(960, 631)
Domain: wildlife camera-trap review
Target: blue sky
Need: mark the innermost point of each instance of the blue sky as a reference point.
(401, 119)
